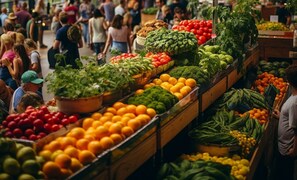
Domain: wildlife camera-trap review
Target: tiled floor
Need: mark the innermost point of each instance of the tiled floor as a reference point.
(48, 40)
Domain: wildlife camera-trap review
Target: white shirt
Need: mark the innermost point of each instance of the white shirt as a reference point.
(119, 10)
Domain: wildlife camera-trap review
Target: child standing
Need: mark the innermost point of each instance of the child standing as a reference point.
(34, 56)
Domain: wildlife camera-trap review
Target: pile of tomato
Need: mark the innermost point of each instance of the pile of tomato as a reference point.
(201, 28)
(159, 58)
(123, 56)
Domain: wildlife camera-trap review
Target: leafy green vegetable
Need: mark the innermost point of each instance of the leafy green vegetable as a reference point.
(150, 10)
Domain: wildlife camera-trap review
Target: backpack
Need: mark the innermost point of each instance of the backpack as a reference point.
(74, 33)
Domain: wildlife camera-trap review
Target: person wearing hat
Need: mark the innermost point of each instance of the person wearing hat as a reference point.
(30, 83)
(11, 19)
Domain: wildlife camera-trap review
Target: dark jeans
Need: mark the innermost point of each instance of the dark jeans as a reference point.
(285, 167)
(98, 47)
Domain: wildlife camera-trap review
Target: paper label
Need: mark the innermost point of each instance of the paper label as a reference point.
(274, 18)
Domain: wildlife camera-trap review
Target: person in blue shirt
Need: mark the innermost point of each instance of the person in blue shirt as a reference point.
(30, 83)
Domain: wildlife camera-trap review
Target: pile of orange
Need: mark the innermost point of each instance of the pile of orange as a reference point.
(260, 114)
(98, 133)
(264, 79)
(179, 87)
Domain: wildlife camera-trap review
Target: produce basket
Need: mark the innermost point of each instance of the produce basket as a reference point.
(131, 142)
(276, 33)
(91, 170)
(178, 107)
(79, 105)
(217, 150)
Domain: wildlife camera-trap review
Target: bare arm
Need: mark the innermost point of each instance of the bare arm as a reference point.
(128, 41)
(13, 71)
(80, 43)
(91, 29)
(108, 42)
(31, 30)
(56, 44)
(105, 26)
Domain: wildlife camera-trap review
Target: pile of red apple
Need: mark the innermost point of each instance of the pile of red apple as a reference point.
(201, 28)
(122, 56)
(35, 123)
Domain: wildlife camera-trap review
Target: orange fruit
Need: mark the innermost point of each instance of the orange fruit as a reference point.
(63, 160)
(90, 131)
(120, 123)
(77, 133)
(108, 114)
(127, 131)
(178, 95)
(71, 151)
(151, 112)
(51, 170)
(56, 153)
(54, 145)
(90, 137)
(140, 109)
(112, 110)
(130, 115)
(66, 141)
(191, 82)
(115, 128)
(139, 91)
(141, 119)
(174, 89)
(86, 157)
(45, 147)
(45, 154)
(185, 90)
(75, 165)
(82, 144)
(104, 119)
(106, 142)
(95, 147)
(117, 138)
(118, 105)
(146, 117)
(65, 173)
(157, 81)
(147, 86)
(131, 108)
(164, 77)
(172, 80)
(107, 124)
(121, 111)
(100, 132)
(116, 118)
(125, 119)
(179, 85)
(182, 80)
(96, 116)
(87, 123)
(134, 124)
(95, 124)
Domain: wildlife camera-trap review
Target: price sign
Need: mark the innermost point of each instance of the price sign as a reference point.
(274, 18)
(270, 93)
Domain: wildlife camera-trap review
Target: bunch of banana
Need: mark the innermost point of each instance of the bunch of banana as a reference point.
(194, 170)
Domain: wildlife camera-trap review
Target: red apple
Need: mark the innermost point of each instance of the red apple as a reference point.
(44, 109)
(28, 123)
(8, 134)
(4, 123)
(56, 120)
(29, 132)
(33, 137)
(47, 127)
(38, 123)
(65, 121)
(42, 134)
(72, 119)
(17, 132)
(23, 116)
(55, 127)
(11, 117)
(12, 125)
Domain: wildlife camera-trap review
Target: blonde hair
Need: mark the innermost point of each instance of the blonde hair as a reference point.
(20, 38)
(30, 44)
(6, 40)
(126, 18)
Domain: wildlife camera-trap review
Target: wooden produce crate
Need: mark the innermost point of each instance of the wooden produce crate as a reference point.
(134, 140)
(169, 130)
(178, 107)
(133, 159)
(212, 94)
(147, 17)
(276, 33)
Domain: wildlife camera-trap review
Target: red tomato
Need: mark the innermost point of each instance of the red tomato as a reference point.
(210, 30)
(199, 32)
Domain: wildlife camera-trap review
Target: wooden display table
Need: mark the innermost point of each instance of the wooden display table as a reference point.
(275, 46)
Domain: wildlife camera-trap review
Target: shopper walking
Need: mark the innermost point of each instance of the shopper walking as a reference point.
(135, 13)
(32, 27)
(23, 16)
(107, 9)
(97, 28)
(121, 8)
(31, 49)
(66, 44)
(3, 16)
(86, 8)
(287, 130)
(72, 12)
(40, 9)
(118, 36)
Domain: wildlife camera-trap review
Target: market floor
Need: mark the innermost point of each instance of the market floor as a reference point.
(48, 40)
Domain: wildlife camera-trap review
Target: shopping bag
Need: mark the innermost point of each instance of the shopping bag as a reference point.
(51, 57)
